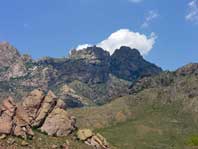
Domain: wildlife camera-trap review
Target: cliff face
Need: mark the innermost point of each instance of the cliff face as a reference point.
(128, 64)
(11, 62)
(93, 75)
(8, 54)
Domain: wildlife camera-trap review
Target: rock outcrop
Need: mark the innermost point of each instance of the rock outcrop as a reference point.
(32, 104)
(91, 139)
(59, 123)
(46, 113)
(47, 105)
(13, 120)
(11, 62)
(128, 64)
(9, 54)
(36, 110)
(71, 98)
(188, 69)
(102, 77)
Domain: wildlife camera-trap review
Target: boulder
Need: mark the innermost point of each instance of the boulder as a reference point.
(32, 103)
(13, 120)
(46, 112)
(59, 123)
(84, 134)
(47, 106)
(37, 110)
(95, 140)
(24, 143)
(7, 112)
(99, 141)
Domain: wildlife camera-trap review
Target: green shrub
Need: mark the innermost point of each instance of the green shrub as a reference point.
(193, 141)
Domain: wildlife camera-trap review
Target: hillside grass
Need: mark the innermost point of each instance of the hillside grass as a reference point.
(155, 118)
(153, 130)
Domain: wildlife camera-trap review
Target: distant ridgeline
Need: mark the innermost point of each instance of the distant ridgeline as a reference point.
(86, 77)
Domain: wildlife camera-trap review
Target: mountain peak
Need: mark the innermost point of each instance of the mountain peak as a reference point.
(127, 52)
(90, 54)
(128, 64)
(8, 54)
(188, 69)
(4, 43)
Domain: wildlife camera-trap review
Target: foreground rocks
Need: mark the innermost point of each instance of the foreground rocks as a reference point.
(13, 120)
(36, 110)
(91, 139)
(58, 123)
(46, 113)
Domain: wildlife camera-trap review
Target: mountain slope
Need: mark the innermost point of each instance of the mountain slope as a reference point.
(162, 113)
(128, 64)
(94, 76)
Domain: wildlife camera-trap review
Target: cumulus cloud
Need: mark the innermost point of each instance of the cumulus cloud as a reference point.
(83, 46)
(149, 18)
(192, 14)
(135, 1)
(125, 37)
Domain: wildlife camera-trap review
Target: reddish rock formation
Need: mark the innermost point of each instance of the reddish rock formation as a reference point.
(36, 110)
(13, 120)
(59, 123)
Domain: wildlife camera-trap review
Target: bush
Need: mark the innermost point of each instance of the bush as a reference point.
(193, 141)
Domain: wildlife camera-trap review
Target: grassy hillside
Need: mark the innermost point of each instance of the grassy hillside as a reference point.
(153, 129)
(160, 117)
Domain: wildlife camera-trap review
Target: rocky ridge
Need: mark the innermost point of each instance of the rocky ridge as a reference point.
(93, 74)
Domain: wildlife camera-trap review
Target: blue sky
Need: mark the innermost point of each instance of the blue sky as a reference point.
(53, 27)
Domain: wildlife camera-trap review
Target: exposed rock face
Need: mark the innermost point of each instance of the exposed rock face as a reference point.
(128, 64)
(8, 111)
(47, 106)
(92, 55)
(8, 54)
(95, 140)
(98, 142)
(15, 70)
(100, 75)
(32, 103)
(13, 120)
(188, 69)
(36, 110)
(90, 65)
(71, 98)
(84, 134)
(11, 62)
(46, 112)
(59, 123)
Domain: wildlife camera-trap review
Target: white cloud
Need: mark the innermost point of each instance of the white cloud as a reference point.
(83, 46)
(192, 14)
(149, 18)
(125, 37)
(135, 1)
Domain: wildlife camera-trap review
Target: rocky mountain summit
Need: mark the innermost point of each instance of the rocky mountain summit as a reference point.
(128, 64)
(9, 54)
(11, 62)
(92, 74)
